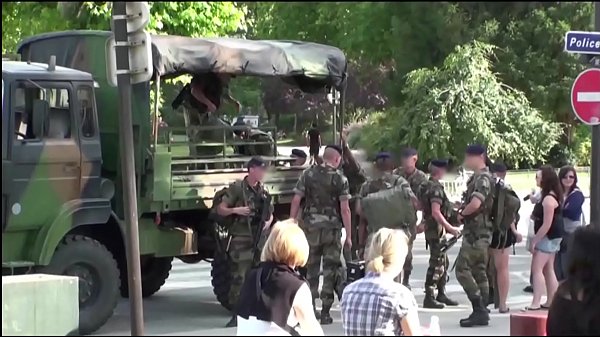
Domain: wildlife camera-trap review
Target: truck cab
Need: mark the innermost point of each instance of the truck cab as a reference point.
(51, 164)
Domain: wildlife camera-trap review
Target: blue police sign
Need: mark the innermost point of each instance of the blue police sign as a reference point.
(582, 42)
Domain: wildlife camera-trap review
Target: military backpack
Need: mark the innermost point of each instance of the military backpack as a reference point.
(505, 208)
(224, 221)
(390, 207)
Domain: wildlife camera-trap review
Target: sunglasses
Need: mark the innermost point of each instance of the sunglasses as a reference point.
(569, 177)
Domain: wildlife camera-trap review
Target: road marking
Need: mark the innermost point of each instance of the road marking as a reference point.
(588, 97)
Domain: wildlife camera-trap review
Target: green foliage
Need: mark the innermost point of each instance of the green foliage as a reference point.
(459, 103)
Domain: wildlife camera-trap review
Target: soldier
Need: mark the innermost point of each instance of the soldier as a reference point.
(415, 178)
(326, 207)
(471, 263)
(299, 157)
(437, 211)
(383, 178)
(245, 202)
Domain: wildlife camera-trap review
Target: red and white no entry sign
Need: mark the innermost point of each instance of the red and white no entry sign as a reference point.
(585, 96)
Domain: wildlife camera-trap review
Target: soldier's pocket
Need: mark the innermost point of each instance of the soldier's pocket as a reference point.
(313, 236)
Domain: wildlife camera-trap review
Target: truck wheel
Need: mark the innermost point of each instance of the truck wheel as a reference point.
(155, 272)
(221, 279)
(98, 275)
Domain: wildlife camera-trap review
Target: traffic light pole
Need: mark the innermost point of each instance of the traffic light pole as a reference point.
(128, 171)
(595, 169)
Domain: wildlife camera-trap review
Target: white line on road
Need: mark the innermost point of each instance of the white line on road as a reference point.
(588, 97)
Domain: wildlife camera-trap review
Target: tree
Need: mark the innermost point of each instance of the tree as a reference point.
(459, 103)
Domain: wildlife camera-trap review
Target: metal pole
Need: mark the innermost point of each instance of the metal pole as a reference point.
(128, 174)
(334, 133)
(595, 169)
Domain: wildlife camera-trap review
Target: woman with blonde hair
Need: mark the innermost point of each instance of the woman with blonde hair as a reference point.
(376, 305)
(275, 300)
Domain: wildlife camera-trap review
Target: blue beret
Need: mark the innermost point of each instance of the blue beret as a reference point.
(408, 152)
(335, 147)
(441, 163)
(475, 150)
(499, 167)
(256, 162)
(299, 153)
(383, 155)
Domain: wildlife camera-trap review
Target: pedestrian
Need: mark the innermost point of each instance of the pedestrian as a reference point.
(534, 197)
(471, 263)
(313, 141)
(499, 253)
(572, 216)
(275, 299)
(376, 305)
(437, 214)
(415, 177)
(547, 216)
(326, 194)
(244, 201)
(575, 310)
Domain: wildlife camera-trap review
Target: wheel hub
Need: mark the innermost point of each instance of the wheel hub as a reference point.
(88, 281)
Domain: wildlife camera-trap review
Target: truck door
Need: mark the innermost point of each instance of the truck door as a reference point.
(45, 167)
(89, 142)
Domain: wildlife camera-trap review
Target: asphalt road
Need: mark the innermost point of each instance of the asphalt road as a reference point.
(186, 305)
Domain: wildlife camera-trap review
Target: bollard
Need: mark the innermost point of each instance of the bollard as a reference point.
(529, 323)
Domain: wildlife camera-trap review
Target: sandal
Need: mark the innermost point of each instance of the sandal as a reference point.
(531, 309)
(503, 311)
(545, 307)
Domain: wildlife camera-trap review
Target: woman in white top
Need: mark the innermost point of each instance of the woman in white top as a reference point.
(275, 300)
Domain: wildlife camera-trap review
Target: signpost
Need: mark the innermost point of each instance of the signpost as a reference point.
(129, 59)
(585, 99)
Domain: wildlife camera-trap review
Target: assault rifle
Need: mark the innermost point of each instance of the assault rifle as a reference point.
(265, 214)
(450, 243)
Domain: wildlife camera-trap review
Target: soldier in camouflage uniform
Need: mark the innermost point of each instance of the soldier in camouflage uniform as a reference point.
(415, 178)
(383, 178)
(437, 212)
(471, 263)
(244, 201)
(326, 207)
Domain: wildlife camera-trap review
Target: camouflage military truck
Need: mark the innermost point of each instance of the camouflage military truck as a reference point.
(62, 206)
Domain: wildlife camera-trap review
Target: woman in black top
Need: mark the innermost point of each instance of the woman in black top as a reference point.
(575, 310)
(546, 242)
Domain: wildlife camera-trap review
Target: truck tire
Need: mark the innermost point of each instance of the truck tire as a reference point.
(221, 279)
(155, 272)
(98, 275)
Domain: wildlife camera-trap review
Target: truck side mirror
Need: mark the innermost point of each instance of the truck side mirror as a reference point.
(40, 113)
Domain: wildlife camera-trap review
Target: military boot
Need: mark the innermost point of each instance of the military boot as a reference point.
(479, 316)
(232, 322)
(326, 318)
(406, 280)
(317, 313)
(429, 301)
(485, 299)
(441, 296)
(490, 297)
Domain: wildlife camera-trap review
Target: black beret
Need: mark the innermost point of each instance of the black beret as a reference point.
(408, 152)
(383, 155)
(335, 147)
(299, 153)
(256, 162)
(441, 163)
(475, 150)
(499, 167)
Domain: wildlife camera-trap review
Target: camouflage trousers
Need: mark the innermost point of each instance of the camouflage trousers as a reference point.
(325, 243)
(437, 272)
(411, 232)
(241, 261)
(471, 268)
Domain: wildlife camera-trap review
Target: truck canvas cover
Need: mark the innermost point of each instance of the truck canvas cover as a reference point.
(309, 66)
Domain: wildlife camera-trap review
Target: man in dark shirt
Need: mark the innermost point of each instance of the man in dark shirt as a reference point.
(313, 140)
(208, 90)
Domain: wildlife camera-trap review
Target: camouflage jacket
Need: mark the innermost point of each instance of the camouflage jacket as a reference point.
(239, 195)
(478, 225)
(323, 188)
(415, 179)
(433, 192)
(355, 175)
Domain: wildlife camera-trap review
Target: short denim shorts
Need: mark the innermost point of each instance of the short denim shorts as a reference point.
(548, 246)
